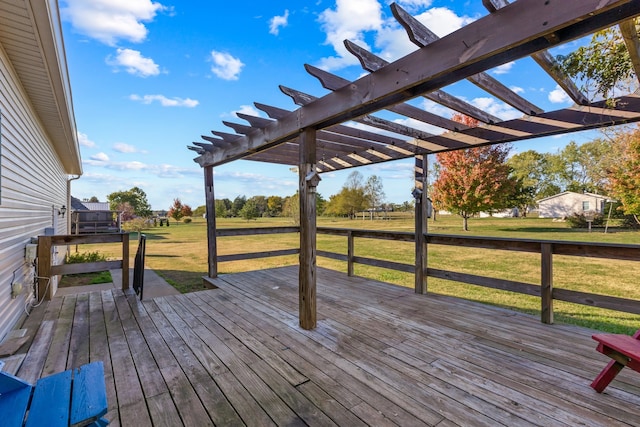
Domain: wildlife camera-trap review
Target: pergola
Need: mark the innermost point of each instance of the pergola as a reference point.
(315, 139)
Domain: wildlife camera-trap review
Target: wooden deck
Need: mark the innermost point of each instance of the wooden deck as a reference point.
(381, 355)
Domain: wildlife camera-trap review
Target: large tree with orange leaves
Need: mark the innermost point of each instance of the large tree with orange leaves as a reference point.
(473, 180)
(624, 172)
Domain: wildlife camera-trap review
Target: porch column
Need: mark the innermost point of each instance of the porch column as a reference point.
(210, 202)
(420, 196)
(308, 180)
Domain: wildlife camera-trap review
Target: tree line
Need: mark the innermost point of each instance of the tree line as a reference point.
(356, 195)
(485, 179)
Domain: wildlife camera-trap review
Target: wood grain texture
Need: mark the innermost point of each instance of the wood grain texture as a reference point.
(380, 355)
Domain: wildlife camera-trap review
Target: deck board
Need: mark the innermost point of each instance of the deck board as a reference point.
(381, 355)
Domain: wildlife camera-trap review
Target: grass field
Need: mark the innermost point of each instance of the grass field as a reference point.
(179, 254)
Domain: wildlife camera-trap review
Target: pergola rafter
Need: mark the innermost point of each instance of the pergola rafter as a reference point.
(317, 136)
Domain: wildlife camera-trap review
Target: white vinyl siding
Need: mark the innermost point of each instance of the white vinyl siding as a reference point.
(33, 185)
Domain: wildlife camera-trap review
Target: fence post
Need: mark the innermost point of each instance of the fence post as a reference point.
(350, 253)
(44, 267)
(546, 283)
(125, 261)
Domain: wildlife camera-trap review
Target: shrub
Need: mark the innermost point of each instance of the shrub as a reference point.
(580, 220)
(187, 219)
(80, 257)
(629, 221)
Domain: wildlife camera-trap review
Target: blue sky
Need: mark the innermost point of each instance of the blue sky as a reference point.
(148, 78)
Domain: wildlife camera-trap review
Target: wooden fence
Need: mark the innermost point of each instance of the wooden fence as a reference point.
(546, 248)
(46, 270)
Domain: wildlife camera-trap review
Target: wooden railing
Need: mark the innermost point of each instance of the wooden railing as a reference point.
(546, 248)
(46, 270)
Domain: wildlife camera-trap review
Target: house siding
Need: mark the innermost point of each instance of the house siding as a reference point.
(566, 204)
(33, 185)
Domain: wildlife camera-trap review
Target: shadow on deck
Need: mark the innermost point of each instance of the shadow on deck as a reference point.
(381, 355)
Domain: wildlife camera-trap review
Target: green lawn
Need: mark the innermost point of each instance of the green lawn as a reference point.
(179, 254)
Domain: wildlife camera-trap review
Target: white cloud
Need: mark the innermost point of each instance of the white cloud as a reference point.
(84, 140)
(121, 147)
(111, 20)
(249, 110)
(349, 20)
(517, 89)
(559, 96)
(504, 68)
(496, 108)
(389, 37)
(277, 22)
(134, 63)
(100, 157)
(164, 101)
(225, 65)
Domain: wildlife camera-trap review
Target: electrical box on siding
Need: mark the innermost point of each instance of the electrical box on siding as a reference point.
(30, 252)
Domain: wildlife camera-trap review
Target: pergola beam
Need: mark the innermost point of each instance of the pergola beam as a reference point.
(630, 36)
(546, 62)
(526, 27)
(372, 62)
(421, 36)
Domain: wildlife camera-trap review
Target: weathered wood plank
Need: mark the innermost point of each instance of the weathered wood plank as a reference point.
(380, 355)
(79, 343)
(255, 255)
(307, 182)
(59, 348)
(128, 388)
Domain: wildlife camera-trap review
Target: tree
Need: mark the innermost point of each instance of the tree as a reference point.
(237, 205)
(603, 66)
(136, 224)
(624, 175)
(175, 211)
(261, 204)
(135, 197)
(186, 210)
(374, 193)
(223, 208)
(291, 208)
(126, 211)
(200, 210)
(473, 180)
(351, 198)
(274, 205)
(94, 199)
(249, 210)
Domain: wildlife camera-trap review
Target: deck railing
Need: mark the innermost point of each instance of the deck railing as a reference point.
(46, 269)
(546, 248)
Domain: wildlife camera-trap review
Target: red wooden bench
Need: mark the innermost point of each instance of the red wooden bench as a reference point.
(623, 349)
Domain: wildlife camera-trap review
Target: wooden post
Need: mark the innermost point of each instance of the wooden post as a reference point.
(546, 283)
(350, 253)
(420, 196)
(212, 244)
(125, 261)
(308, 179)
(44, 267)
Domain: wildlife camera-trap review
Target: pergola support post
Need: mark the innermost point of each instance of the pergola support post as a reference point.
(308, 180)
(421, 205)
(210, 203)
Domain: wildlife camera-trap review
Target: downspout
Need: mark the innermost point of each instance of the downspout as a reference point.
(69, 202)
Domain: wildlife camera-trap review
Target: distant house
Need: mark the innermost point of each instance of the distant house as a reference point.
(93, 218)
(568, 203)
(38, 143)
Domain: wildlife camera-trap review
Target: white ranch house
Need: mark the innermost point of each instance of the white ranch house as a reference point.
(568, 203)
(39, 150)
